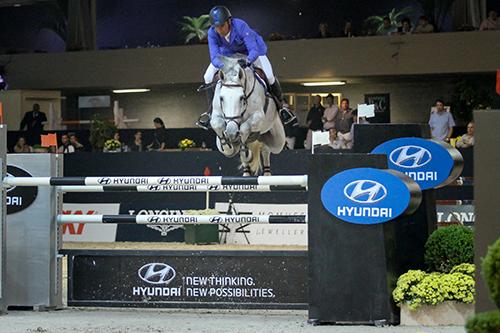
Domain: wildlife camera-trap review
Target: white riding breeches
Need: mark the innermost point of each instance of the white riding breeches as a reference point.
(261, 62)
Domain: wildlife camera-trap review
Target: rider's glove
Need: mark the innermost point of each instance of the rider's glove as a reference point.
(243, 63)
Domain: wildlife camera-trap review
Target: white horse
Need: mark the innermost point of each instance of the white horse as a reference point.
(246, 119)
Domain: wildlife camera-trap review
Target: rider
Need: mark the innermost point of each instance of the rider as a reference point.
(228, 36)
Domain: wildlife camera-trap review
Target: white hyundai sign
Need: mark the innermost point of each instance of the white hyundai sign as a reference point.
(265, 234)
(80, 232)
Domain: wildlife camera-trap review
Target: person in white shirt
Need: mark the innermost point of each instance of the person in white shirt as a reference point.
(441, 122)
(491, 22)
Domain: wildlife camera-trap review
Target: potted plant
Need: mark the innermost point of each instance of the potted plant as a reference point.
(186, 143)
(195, 28)
(100, 131)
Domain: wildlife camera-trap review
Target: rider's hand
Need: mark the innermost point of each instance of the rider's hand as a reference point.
(243, 63)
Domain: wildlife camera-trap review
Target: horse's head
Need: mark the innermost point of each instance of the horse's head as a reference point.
(232, 95)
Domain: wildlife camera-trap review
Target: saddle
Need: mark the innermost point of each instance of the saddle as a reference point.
(262, 79)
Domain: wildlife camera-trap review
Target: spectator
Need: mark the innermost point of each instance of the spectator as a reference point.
(388, 28)
(347, 31)
(22, 147)
(274, 36)
(73, 139)
(159, 136)
(406, 28)
(344, 119)
(323, 31)
(467, 140)
(33, 121)
(137, 144)
(491, 22)
(441, 122)
(66, 147)
(314, 120)
(349, 137)
(423, 26)
(330, 113)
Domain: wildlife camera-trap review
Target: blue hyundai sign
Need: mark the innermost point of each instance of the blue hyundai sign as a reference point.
(430, 163)
(370, 196)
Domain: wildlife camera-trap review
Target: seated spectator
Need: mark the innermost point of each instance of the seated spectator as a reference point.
(66, 147)
(388, 28)
(159, 136)
(405, 28)
(22, 147)
(274, 36)
(347, 31)
(73, 139)
(314, 120)
(423, 26)
(323, 31)
(329, 113)
(467, 140)
(348, 138)
(137, 144)
(441, 122)
(491, 22)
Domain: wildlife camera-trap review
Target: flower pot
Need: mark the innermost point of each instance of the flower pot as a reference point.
(446, 313)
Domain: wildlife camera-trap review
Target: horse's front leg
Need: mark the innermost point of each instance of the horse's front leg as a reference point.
(252, 124)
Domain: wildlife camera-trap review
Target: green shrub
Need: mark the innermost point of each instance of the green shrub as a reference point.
(486, 322)
(448, 247)
(416, 288)
(491, 271)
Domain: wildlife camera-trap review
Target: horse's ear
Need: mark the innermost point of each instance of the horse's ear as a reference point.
(240, 74)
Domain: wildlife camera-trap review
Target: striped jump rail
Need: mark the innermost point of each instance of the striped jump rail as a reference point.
(183, 188)
(182, 219)
(127, 181)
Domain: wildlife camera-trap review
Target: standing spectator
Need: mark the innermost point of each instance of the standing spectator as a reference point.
(290, 128)
(344, 119)
(467, 140)
(22, 147)
(423, 26)
(66, 147)
(330, 113)
(441, 122)
(323, 31)
(347, 31)
(314, 120)
(491, 22)
(388, 28)
(33, 121)
(159, 136)
(73, 139)
(137, 144)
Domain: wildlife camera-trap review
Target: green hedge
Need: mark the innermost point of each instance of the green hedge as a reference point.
(448, 247)
(491, 271)
(486, 322)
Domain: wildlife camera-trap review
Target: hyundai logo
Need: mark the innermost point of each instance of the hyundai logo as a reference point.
(213, 187)
(104, 181)
(156, 273)
(215, 219)
(365, 191)
(153, 188)
(164, 181)
(410, 156)
(154, 219)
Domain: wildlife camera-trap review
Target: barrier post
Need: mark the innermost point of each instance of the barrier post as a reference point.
(3, 152)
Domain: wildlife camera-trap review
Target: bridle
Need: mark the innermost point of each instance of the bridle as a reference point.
(237, 119)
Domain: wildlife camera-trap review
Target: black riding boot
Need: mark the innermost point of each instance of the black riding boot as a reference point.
(285, 115)
(204, 119)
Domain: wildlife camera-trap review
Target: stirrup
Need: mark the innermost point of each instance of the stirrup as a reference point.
(204, 121)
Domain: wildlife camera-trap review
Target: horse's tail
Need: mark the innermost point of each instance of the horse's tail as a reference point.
(255, 165)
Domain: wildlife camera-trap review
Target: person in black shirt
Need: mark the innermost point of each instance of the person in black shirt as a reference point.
(314, 120)
(137, 144)
(159, 136)
(33, 121)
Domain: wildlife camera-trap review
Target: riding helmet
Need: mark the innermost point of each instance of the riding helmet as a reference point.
(219, 15)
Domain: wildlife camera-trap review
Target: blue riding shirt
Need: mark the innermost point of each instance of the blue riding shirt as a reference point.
(242, 39)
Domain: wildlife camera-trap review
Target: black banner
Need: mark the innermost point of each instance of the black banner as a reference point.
(236, 279)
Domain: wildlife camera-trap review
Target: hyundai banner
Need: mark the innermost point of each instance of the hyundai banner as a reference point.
(431, 163)
(370, 196)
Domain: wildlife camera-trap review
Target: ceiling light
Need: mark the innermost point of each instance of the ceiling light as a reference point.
(127, 91)
(325, 83)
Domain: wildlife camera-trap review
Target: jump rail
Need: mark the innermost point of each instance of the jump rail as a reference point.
(183, 188)
(291, 180)
(182, 219)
